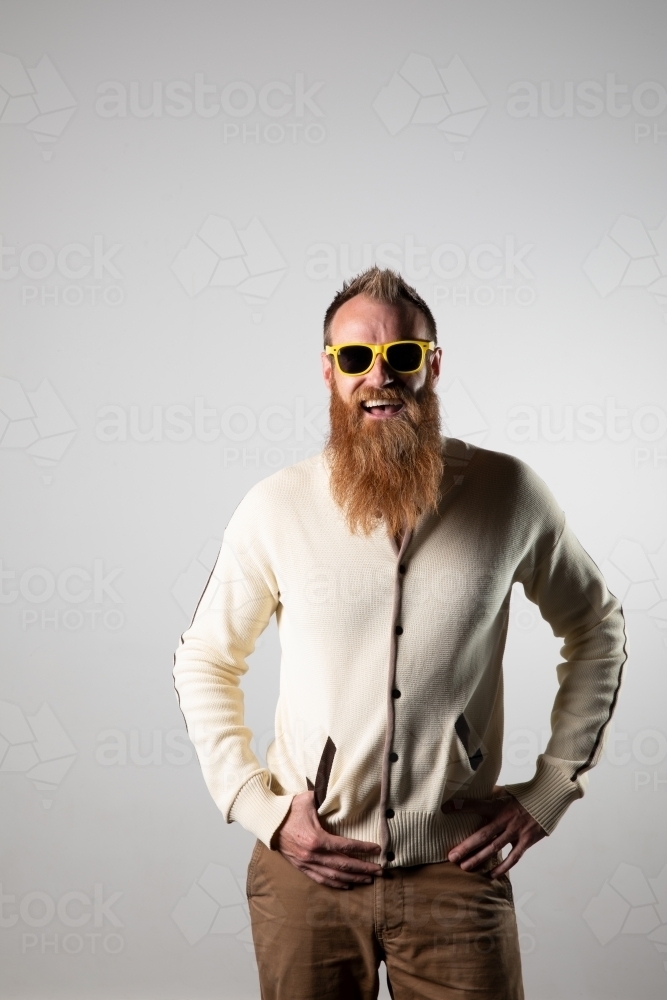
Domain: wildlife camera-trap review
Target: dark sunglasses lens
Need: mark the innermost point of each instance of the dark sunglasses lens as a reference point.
(355, 360)
(404, 357)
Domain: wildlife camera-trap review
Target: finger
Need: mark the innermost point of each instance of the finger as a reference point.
(475, 840)
(318, 841)
(317, 850)
(321, 880)
(336, 875)
(341, 862)
(477, 859)
(329, 876)
(514, 855)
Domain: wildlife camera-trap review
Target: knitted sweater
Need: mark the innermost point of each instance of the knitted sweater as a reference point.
(391, 681)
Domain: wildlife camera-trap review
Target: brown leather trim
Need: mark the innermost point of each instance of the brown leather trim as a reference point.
(463, 732)
(324, 772)
(385, 840)
(586, 766)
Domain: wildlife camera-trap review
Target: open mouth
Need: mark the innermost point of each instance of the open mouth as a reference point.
(379, 408)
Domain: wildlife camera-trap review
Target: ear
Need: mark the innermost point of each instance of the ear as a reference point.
(436, 358)
(327, 369)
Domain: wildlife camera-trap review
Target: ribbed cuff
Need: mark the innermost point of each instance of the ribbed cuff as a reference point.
(547, 795)
(258, 809)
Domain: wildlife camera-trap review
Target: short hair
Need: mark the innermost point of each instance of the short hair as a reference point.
(381, 285)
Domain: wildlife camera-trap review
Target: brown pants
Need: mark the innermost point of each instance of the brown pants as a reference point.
(442, 932)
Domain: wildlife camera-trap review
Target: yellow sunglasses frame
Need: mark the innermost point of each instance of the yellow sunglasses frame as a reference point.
(426, 345)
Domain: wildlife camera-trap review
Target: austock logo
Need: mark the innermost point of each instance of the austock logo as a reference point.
(36, 746)
(589, 423)
(79, 272)
(483, 275)
(37, 98)
(630, 256)
(629, 903)
(461, 417)
(73, 586)
(591, 99)
(189, 586)
(60, 914)
(36, 422)
(273, 113)
(159, 748)
(639, 579)
(421, 94)
(218, 256)
(215, 904)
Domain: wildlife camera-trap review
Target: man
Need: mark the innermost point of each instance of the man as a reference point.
(389, 561)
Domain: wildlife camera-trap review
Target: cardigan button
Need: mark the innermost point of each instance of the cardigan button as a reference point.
(395, 693)
(389, 813)
(390, 855)
(399, 630)
(402, 568)
(393, 757)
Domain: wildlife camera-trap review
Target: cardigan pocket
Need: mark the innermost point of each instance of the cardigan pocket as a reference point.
(465, 756)
(469, 740)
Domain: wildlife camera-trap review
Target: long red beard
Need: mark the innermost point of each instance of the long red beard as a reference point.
(385, 470)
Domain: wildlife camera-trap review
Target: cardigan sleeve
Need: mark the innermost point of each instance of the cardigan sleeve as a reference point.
(235, 608)
(573, 598)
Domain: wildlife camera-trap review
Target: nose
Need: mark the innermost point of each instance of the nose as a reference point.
(380, 374)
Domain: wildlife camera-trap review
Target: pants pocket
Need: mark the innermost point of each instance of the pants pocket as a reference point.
(254, 858)
(507, 888)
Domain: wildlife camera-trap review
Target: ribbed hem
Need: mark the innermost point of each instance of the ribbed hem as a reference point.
(548, 794)
(258, 809)
(415, 838)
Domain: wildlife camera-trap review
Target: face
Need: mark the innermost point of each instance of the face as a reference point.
(362, 320)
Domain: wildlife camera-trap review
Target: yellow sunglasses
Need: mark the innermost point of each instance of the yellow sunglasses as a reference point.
(404, 356)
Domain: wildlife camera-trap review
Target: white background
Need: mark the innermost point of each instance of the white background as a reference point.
(120, 802)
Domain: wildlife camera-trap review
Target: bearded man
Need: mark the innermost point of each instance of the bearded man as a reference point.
(389, 562)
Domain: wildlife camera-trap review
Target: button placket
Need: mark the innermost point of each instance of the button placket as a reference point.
(390, 756)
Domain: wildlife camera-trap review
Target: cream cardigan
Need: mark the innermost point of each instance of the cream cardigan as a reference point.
(391, 685)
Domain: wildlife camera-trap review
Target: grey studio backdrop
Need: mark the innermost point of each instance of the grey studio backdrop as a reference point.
(185, 185)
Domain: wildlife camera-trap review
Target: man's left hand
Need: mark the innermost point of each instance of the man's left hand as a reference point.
(508, 823)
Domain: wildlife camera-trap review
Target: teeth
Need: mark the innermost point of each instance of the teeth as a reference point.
(381, 402)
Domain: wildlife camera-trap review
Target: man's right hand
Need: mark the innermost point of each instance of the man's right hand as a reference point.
(320, 855)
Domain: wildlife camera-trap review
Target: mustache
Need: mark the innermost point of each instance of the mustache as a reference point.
(362, 394)
(388, 393)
